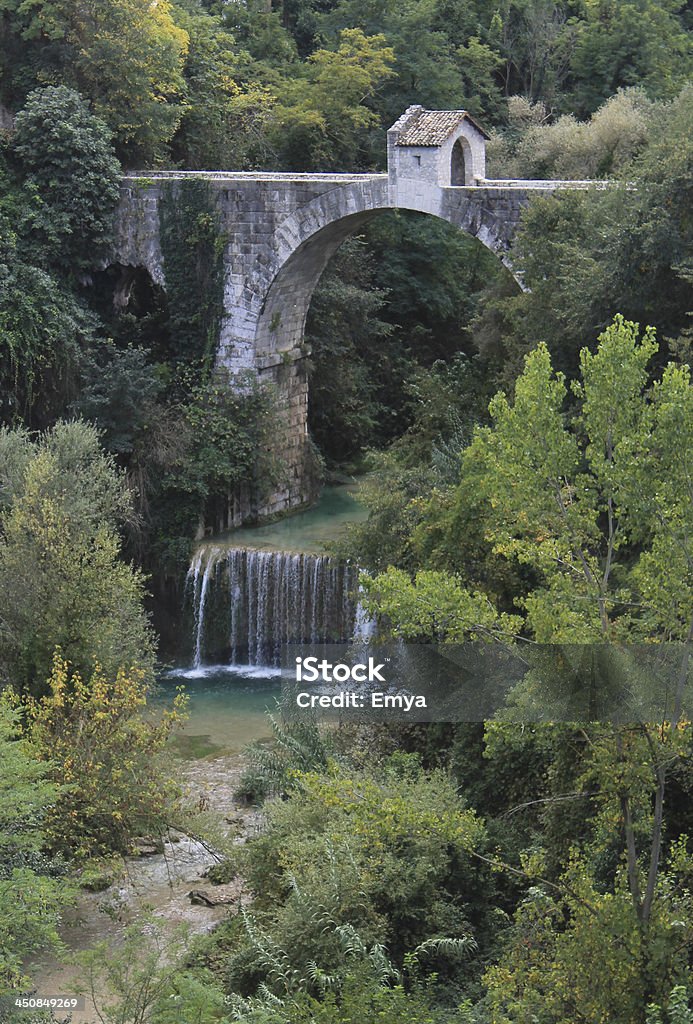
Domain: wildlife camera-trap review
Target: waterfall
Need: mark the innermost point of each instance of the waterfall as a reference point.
(246, 603)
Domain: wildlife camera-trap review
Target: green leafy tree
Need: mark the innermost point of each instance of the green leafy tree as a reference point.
(66, 155)
(549, 970)
(536, 40)
(61, 576)
(596, 505)
(622, 44)
(535, 146)
(118, 393)
(211, 442)
(434, 65)
(227, 117)
(193, 245)
(323, 120)
(44, 331)
(573, 500)
(58, 192)
(679, 1010)
(125, 56)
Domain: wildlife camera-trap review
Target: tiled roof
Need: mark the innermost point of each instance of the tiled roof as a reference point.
(433, 127)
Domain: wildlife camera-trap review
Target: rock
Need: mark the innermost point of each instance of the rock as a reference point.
(222, 895)
(101, 873)
(145, 848)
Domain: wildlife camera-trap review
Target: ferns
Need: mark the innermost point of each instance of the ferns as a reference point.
(298, 746)
(445, 947)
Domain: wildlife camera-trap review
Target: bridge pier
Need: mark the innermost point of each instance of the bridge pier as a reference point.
(280, 231)
(298, 478)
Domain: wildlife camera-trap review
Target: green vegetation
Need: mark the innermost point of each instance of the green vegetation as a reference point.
(528, 479)
(569, 523)
(107, 758)
(192, 249)
(596, 510)
(32, 891)
(61, 578)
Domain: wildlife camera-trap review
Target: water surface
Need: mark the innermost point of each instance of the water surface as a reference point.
(310, 532)
(228, 707)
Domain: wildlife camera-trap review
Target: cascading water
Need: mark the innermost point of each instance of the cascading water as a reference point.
(246, 603)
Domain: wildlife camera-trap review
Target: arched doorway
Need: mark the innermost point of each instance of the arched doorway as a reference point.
(461, 172)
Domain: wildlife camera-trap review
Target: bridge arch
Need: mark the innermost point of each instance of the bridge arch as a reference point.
(308, 238)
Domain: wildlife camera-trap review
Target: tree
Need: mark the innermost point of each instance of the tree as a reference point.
(119, 388)
(323, 121)
(679, 1009)
(125, 56)
(586, 255)
(391, 304)
(44, 331)
(634, 43)
(59, 185)
(599, 507)
(593, 969)
(228, 113)
(61, 577)
(595, 505)
(95, 736)
(536, 38)
(535, 146)
(67, 157)
(425, 67)
(212, 442)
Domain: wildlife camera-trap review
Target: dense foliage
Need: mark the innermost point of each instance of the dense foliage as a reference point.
(596, 509)
(107, 757)
(32, 891)
(62, 580)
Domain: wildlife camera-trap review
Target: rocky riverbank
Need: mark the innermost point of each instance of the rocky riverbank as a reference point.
(170, 888)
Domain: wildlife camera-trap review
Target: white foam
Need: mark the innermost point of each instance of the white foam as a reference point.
(243, 671)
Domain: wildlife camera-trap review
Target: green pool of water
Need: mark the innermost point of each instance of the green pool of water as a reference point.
(227, 708)
(309, 532)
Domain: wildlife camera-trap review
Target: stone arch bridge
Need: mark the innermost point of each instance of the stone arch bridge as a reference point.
(282, 229)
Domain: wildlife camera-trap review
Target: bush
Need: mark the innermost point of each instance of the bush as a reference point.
(66, 153)
(355, 872)
(108, 755)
